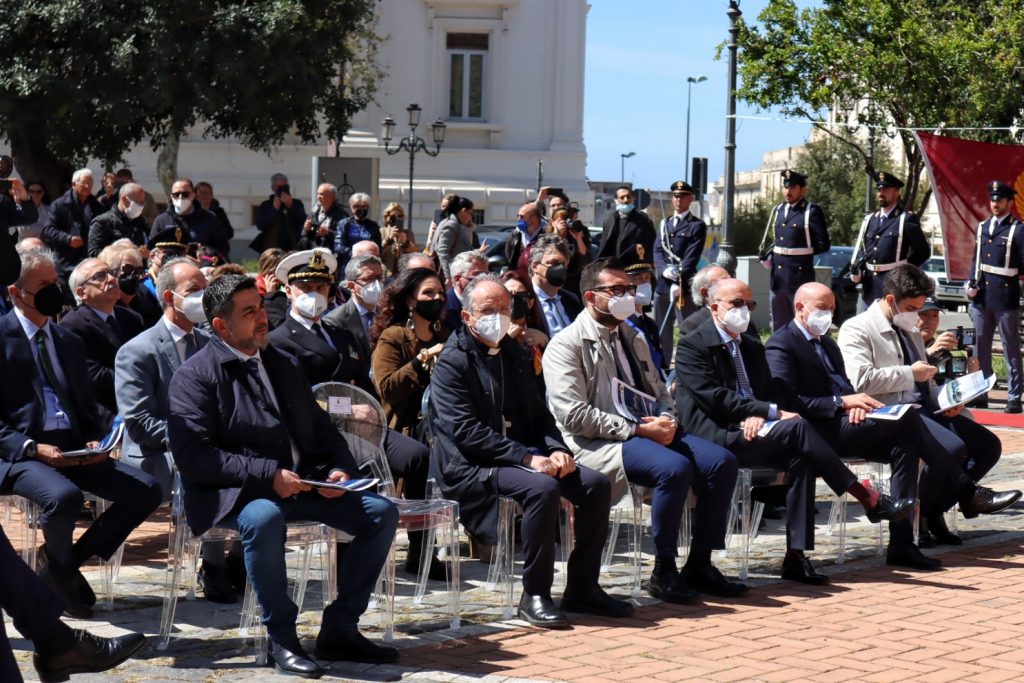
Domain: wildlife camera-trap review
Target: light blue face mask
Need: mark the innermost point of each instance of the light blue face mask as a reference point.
(624, 208)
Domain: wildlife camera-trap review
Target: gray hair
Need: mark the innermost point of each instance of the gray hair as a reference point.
(467, 293)
(359, 197)
(329, 187)
(128, 188)
(80, 173)
(277, 176)
(465, 261)
(77, 277)
(32, 259)
(701, 281)
(546, 242)
(357, 263)
(165, 281)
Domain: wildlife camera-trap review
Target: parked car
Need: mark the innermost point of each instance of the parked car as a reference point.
(950, 294)
(845, 291)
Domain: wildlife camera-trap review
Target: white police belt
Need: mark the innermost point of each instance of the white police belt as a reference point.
(883, 267)
(996, 270)
(794, 251)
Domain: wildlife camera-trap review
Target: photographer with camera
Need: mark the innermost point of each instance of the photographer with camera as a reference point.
(949, 351)
(279, 218)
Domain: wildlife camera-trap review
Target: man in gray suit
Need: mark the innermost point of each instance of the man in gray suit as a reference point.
(142, 376)
(364, 278)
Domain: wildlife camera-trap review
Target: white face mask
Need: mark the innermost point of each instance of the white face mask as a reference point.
(133, 210)
(310, 305)
(371, 292)
(736, 320)
(493, 328)
(182, 204)
(818, 322)
(192, 307)
(621, 306)
(905, 321)
(644, 294)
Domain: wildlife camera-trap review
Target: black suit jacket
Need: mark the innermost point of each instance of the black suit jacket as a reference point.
(67, 219)
(321, 362)
(228, 442)
(101, 345)
(570, 302)
(707, 399)
(346, 317)
(623, 232)
(793, 361)
(22, 407)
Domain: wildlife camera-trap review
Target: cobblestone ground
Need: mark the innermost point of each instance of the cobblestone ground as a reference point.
(872, 623)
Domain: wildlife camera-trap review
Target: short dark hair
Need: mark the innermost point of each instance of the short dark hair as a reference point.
(591, 274)
(908, 282)
(218, 298)
(624, 187)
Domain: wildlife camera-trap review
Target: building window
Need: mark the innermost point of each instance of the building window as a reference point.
(467, 69)
(478, 217)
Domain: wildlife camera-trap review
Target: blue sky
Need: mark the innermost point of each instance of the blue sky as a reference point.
(643, 58)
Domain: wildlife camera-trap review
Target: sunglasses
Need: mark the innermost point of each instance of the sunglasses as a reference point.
(101, 276)
(617, 290)
(738, 303)
(184, 194)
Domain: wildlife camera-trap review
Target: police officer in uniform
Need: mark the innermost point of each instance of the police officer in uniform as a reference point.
(677, 250)
(995, 287)
(800, 233)
(888, 237)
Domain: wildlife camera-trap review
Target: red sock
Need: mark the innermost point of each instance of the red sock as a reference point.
(865, 494)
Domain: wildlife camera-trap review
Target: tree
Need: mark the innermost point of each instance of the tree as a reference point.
(750, 219)
(838, 183)
(94, 79)
(923, 64)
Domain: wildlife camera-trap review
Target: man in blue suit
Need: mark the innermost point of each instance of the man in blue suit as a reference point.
(47, 407)
(244, 431)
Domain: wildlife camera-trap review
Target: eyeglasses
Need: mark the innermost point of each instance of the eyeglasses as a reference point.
(35, 191)
(100, 276)
(617, 290)
(184, 194)
(737, 303)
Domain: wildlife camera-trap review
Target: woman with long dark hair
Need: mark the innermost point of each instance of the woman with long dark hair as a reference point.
(455, 233)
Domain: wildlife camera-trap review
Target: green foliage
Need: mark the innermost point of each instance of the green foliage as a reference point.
(838, 183)
(750, 218)
(923, 63)
(93, 79)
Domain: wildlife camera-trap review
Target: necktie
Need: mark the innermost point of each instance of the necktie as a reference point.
(910, 356)
(114, 326)
(190, 345)
(253, 366)
(838, 386)
(51, 379)
(742, 381)
(319, 330)
(613, 341)
(368, 318)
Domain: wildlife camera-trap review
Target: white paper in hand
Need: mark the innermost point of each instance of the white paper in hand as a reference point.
(339, 405)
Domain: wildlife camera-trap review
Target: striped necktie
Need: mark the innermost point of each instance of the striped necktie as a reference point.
(742, 381)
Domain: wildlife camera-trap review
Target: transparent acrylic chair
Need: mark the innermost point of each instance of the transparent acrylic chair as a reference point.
(746, 512)
(876, 473)
(360, 419)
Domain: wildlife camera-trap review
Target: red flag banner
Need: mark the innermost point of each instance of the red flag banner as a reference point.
(959, 171)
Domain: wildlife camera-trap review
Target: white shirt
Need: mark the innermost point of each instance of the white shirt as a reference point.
(308, 324)
(178, 336)
(101, 314)
(773, 409)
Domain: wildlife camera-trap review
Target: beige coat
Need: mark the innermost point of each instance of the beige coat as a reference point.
(578, 370)
(874, 359)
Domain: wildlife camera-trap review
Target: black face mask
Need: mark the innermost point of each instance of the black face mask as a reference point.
(48, 300)
(361, 214)
(129, 284)
(431, 309)
(557, 275)
(520, 305)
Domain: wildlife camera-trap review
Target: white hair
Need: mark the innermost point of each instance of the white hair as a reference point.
(464, 262)
(79, 174)
(77, 277)
(359, 197)
(33, 258)
(128, 188)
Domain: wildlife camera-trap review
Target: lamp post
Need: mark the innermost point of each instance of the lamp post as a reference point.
(413, 143)
(622, 169)
(690, 80)
(726, 250)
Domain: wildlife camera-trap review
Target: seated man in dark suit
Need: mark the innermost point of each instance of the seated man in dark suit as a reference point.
(549, 271)
(102, 325)
(244, 431)
(47, 407)
(364, 278)
(493, 436)
(726, 394)
(35, 610)
(807, 360)
(699, 286)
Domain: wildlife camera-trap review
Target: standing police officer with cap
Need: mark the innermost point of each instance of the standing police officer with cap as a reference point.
(887, 238)
(995, 287)
(677, 250)
(800, 233)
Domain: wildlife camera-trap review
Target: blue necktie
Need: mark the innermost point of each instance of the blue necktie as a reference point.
(742, 381)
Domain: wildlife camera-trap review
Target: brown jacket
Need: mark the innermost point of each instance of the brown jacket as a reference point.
(400, 377)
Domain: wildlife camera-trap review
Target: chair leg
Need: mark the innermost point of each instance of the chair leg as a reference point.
(636, 538)
(389, 595)
(567, 533)
(175, 561)
(743, 481)
(451, 532)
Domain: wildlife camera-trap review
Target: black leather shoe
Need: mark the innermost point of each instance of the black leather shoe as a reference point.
(1012, 407)
(891, 509)
(85, 593)
(800, 569)
(216, 584)
(909, 555)
(65, 588)
(540, 610)
(665, 584)
(985, 501)
(352, 646)
(436, 572)
(594, 600)
(234, 565)
(90, 654)
(708, 579)
(292, 660)
(940, 533)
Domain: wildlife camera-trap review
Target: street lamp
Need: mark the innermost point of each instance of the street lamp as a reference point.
(413, 143)
(726, 249)
(690, 80)
(622, 170)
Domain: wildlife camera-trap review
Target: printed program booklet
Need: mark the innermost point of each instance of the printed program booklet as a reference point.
(893, 412)
(963, 390)
(632, 403)
(109, 443)
(350, 485)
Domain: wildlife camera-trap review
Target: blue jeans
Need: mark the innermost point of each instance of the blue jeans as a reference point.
(670, 471)
(369, 518)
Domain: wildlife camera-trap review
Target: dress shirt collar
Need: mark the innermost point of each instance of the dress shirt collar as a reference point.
(362, 309)
(30, 327)
(177, 334)
(308, 324)
(544, 296)
(242, 356)
(726, 337)
(100, 314)
(807, 335)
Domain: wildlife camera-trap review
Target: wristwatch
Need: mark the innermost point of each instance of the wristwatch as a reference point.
(839, 404)
(29, 450)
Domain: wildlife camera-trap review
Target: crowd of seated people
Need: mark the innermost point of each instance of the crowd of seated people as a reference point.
(545, 382)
